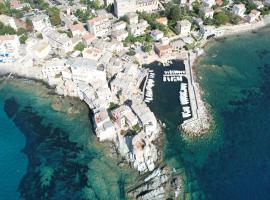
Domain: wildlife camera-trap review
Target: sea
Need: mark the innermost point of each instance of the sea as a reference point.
(49, 151)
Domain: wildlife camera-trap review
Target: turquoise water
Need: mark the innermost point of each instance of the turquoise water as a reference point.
(62, 158)
(13, 161)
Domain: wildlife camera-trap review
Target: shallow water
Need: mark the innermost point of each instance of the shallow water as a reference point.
(65, 161)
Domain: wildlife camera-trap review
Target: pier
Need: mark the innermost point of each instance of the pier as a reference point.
(194, 111)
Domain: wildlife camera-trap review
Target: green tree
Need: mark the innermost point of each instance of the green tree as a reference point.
(6, 30)
(131, 52)
(147, 48)
(79, 47)
(221, 18)
(23, 39)
(175, 13)
(54, 15)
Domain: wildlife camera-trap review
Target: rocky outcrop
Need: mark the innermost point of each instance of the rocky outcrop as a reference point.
(162, 183)
(139, 151)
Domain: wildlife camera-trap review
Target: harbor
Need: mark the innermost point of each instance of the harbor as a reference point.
(193, 114)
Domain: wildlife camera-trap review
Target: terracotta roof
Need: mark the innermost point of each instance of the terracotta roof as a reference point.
(255, 12)
(77, 27)
(163, 47)
(14, 4)
(88, 37)
(7, 37)
(96, 19)
(162, 20)
(219, 2)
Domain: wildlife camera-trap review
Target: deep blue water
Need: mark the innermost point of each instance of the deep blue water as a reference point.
(232, 161)
(13, 161)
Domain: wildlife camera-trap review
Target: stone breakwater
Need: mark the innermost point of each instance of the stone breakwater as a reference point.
(200, 121)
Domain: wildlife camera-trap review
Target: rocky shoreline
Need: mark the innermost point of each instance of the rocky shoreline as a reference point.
(158, 179)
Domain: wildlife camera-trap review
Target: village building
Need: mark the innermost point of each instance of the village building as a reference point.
(209, 3)
(183, 27)
(162, 21)
(8, 21)
(104, 127)
(157, 35)
(14, 4)
(239, 9)
(121, 25)
(122, 7)
(139, 28)
(52, 70)
(38, 49)
(92, 53)
(40, 22)
(207, 12)
(99, 26)
(132, 18)
(123, 117)
(146, 117)
(77, 29)
(253, 16)
(119, 35)
(59, 41)
(86, 70)
(163, 50)
(9, 48)
(210, 31)
(87, 38)
(178, 45)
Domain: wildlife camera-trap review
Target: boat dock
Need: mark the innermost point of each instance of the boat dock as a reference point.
(187, 96)
(149, 84)
(173, 75)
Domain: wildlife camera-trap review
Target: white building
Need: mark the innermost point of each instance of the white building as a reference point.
(209, 3)
(38, 49)
(207, 12)
(77, 29)
(139, 28)
(104, 127)
(40, 22)
(99, 26)
(146, 117)
(9, 47)
(183, 27)
(121, 25)
(239, 9)
(122, 7)
(59, 41)
(124, 117)
(92, 53)
(253, 16)
(8, 21)
(52, 70)
(211, 31)
(119, 35)
(132, 18)
(157, 34)
(86, 70)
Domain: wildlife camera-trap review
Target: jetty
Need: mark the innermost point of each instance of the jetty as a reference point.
(194, 112)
